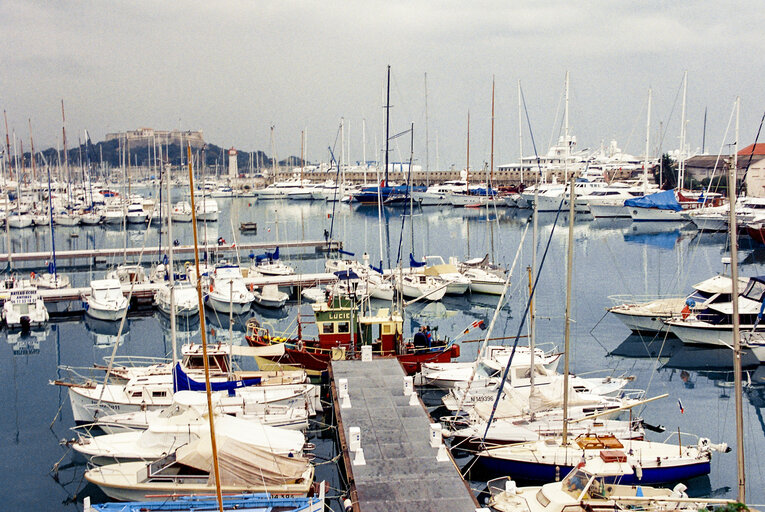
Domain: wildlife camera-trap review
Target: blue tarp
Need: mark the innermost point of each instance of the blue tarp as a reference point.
(665, 200)
(185, 383)
(270, 256)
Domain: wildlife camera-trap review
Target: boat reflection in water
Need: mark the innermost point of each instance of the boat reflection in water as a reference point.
(643, 346)
(105, 333)
(26, 343)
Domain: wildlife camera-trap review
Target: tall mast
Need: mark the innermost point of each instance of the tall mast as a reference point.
(736, 331)
(520, 133)
(210, 415)
(647, 143)
(171, 266)
(387, 127)
(66, 154)
(569, 272)
(467, 162)
(7, 150)
(491, 158)
(427, 139)
(32, 144)
(681, 163)
(302, 155)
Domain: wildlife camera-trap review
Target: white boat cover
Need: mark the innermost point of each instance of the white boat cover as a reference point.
(242, 463)
(274, 350)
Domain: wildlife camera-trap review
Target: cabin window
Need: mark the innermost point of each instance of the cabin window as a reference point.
(386, 329)
(542, 499)
(158, 394)
(343, 327)
(136, 394)
(328, 328)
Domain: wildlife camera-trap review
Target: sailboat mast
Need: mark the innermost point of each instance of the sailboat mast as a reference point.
(647, 142)
(569, 275)
(170, 264)
(681, 163)
(427, 139)
(66, 154)
(387, 129)
(467, 160)
(736, 327)
(32, 144)
(491, 158)
(210, 415)
(7, 149)
(520, 132)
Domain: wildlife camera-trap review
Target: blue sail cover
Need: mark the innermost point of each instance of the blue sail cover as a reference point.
(379, 269)
(414, 263)
(665, 200)
(185, 383)
(270, 256)
(346, 274)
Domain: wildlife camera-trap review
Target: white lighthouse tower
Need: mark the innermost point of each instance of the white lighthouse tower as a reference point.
(233, 169)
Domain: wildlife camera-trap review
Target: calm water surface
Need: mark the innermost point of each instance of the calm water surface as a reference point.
(610, 258)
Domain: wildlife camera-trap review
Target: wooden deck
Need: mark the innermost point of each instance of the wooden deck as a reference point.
(401, 471)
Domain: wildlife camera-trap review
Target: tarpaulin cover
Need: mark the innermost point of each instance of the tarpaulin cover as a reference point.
(665, 200)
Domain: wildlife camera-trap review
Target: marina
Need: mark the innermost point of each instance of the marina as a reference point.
(299, 257)
(697, 377)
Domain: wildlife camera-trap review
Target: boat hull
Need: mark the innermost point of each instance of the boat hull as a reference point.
(540, 472)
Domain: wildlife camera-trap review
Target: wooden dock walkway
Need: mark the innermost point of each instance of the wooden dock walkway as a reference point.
(42, 256)
(401, 472)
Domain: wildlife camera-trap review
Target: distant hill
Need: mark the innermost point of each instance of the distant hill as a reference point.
(109, 153)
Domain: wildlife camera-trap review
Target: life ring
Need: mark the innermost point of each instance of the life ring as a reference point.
(187, 265)
(300, 345)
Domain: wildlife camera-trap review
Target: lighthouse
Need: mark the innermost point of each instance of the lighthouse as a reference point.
(233, 169)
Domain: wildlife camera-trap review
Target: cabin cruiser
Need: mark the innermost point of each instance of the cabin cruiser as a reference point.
(228, 292)
(431, 288)
(269, 296)
(105, 300)
(713, 325)
(649, 316)
(181, 212)
(590, 486)
(24, 308)
(185, 297)
(207, 209)
(136, 213)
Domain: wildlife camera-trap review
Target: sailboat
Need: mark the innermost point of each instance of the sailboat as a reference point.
(548, 459)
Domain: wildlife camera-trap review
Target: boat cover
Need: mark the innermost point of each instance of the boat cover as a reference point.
(185, 383)
(664, 200)
(242, 463)
(414, 263)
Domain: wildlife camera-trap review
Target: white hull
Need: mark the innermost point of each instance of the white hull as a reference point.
(489, 288)
(609, 211)
(225, 306)
(110, 314)
(19, 221)
(655, 215)
(721, 336)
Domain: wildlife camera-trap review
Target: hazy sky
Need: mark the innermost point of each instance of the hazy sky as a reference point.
(234, 68)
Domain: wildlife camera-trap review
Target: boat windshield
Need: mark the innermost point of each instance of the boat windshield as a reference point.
(754, 290)
(575, 483)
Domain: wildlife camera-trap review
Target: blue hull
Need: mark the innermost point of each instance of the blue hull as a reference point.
(551, 473)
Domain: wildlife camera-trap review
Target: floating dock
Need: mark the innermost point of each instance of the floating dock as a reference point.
(402, 470)
(94, 254)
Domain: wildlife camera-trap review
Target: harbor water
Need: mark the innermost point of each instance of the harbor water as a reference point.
(610, 258)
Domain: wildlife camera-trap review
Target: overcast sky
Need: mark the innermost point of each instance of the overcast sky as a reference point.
(234, 68)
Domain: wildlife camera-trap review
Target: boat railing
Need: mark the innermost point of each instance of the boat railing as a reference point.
(632, 394)
(632, 299)
(133, 360)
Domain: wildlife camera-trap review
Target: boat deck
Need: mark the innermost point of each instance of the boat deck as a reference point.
(401, 471)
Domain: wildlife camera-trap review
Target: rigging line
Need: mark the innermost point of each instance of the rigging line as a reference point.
(123, 321)
(595, 327)
(526, 310)
(751, 154)
(500, 304)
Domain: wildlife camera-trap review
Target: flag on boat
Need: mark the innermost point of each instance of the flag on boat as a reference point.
(477, 323)
(682, 410)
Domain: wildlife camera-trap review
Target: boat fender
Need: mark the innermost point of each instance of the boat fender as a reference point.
(300, 345)
(455, 351)
(211, 288)
(32, 276)
(187, 265)
(347, 505)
